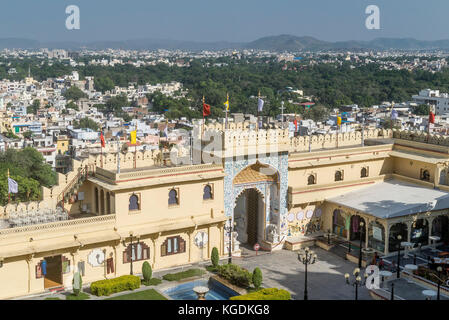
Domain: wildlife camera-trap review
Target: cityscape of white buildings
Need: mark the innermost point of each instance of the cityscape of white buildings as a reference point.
(51, 131)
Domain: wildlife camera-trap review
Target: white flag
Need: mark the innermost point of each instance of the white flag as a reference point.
(394, 114)
(260, 105)
(13, 187)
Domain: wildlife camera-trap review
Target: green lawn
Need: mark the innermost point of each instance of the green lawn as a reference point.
(150, 294)
(152, 282)
(183, 274)
(52, 298)
(81, 296)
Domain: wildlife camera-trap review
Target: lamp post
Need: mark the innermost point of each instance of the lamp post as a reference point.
(306, 257)
(357, 282)
(360, 253)
(131, 251)
(439, 269)
(230, 229)
(392, 291)
(398, 275)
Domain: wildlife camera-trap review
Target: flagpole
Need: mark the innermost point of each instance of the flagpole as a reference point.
(202, 127)
(363, 131)
(9, 193)
(135, 151)
(118, 154)
(338, 129)
(227, 100)
(202, 131)
(101, 152)
(257, 122)
(282, 114)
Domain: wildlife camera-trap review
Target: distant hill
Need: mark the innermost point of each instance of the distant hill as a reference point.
(282, 42)
(286, 42)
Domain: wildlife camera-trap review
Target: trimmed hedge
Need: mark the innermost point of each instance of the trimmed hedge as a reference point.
(265, 294)
(110, 286)
(235, 274)
(257, 278)
(214, 257)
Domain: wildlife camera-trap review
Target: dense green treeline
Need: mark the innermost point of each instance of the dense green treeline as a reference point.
(332, 85)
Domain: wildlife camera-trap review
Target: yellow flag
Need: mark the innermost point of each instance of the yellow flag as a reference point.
(339, 121)
(227, 104)
(134, 137)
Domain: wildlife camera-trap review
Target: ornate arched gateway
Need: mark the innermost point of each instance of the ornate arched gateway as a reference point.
(256, 200)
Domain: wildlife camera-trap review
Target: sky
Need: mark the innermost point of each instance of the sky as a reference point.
(222, 20)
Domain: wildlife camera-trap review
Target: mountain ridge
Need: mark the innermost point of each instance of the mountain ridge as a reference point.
(283, 42)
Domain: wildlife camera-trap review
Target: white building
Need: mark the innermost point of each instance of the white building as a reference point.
(433, 98)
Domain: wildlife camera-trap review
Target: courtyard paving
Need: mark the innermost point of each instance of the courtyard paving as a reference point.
(281, 269)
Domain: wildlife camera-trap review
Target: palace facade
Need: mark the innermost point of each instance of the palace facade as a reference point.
(271, 189)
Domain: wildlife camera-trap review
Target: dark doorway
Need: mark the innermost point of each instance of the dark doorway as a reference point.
(356, 230)
(440, 228)
(53, 278)
(252, 198)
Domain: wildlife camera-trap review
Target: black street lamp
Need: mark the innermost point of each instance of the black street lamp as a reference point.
(131, 251)
(398, 275)
(360, 253)
(357, 282)
(230, 229)
(439, 269)
(306, 257)
(392, 291)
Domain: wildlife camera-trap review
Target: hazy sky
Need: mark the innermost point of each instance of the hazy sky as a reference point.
(229, 20)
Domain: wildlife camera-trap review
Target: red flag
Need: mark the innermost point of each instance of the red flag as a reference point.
(206, 110)
(296, 124)
(103, 144)
(431, 117)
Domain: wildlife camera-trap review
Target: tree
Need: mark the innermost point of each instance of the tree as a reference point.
(74, 93)
(421, 110)
(85, 123)
(103, 84)
(32, 109)
(257, 278)
(317, 113)
(29, 169)
(214, 257)
(72, 105)
(77, 283)
(27, 134)
(388, 123)
(146, 272)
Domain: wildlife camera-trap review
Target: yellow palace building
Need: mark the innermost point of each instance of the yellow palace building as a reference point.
(279, 192)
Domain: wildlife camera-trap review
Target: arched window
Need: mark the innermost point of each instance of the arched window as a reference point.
(311, 179)
(134, 202)
(173, 197)
(338, 175)
(207, 192)
(425, 175)
(364, 173)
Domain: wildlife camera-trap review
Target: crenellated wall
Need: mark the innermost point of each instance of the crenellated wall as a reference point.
(51, 196)
(329, 141)
(420, 136)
